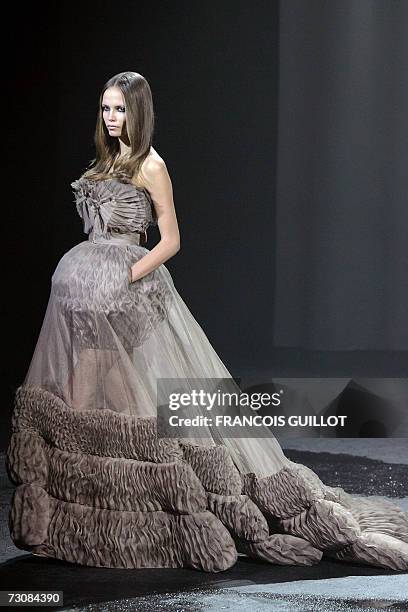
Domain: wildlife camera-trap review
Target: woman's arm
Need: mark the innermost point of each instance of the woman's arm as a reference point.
(158, 182)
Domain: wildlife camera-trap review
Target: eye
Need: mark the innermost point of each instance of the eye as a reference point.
(120, 108)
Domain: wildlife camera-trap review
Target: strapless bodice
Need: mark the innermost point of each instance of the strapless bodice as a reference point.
(110, 206)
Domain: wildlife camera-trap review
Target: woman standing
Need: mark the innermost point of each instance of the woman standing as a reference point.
(115, 324)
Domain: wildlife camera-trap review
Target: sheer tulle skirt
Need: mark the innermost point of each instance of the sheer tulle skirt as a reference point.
(105, 342)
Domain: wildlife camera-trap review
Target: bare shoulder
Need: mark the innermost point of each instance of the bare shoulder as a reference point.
(153, 170)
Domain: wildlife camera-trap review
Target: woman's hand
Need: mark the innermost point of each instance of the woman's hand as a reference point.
(130, 275)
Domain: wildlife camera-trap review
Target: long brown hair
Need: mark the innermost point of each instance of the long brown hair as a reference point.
(139, 124)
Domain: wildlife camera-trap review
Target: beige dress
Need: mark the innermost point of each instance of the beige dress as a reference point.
(105, 343)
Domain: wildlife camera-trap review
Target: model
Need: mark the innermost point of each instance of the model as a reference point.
(96, 486)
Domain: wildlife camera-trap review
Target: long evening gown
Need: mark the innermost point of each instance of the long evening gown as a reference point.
(105, 341)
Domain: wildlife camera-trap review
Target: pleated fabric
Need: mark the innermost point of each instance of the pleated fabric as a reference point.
(105, 343)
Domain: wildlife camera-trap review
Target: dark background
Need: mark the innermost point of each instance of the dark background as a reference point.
(217, 73)
(341, 199)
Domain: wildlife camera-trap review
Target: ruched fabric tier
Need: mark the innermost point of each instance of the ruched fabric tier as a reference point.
(100, 488)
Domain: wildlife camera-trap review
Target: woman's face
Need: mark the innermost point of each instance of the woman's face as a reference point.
(114, 112)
